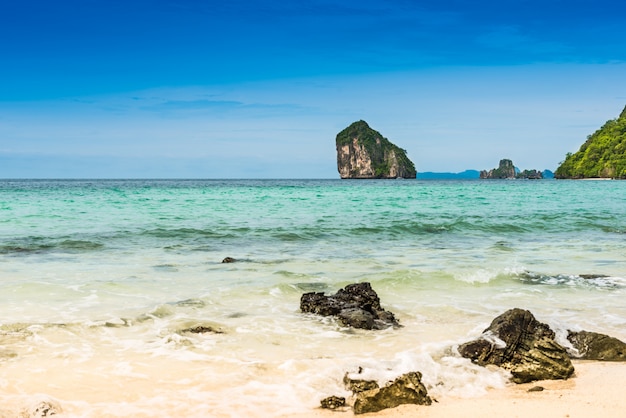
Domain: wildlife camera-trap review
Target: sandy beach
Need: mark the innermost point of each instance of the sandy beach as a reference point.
(596, 390)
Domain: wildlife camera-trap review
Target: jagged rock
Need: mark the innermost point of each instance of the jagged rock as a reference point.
(359, 385)
(406, 389)
(516, 341)
(333, 402)
(594, 346)
(363, 153)
(357, 305)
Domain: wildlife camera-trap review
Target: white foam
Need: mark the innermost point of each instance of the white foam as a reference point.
(490, 337)
(477, 276)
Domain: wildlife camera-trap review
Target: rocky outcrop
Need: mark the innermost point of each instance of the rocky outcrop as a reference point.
(357, 306)
(516, 341)
(406, 389)
(506, 170)
(363, 153)
(594, 346)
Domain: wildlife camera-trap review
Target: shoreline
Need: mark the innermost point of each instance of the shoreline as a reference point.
(596, 389)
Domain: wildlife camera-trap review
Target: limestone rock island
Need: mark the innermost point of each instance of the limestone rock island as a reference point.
(363, 153)
(506, 170)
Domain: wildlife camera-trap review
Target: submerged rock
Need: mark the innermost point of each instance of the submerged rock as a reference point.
(228, 260)
(357, 305)
(406, 389)
(202, 329)
(516, 341)
(594, 346)
(592, 276)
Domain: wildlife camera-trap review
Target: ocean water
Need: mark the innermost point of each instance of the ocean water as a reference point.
(99, 279)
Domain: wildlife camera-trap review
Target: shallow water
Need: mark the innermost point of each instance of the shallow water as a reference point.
(98, 280)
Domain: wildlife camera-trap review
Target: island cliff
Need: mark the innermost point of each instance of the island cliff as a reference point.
(602, 155)
(363, 153)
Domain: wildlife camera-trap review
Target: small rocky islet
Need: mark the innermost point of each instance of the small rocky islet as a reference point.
(514, 341)
(363, 153)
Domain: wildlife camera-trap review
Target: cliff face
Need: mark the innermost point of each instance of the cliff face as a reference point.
(363, 153)
(602, 155)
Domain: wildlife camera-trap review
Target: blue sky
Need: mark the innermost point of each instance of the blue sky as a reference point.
(259, 89)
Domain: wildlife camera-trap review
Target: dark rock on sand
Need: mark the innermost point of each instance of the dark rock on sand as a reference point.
(333, 402)
(594, 346)
(406, 389)
(357, 305)
(516, 341)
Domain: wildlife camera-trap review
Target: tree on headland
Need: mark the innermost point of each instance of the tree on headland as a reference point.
(603, 155)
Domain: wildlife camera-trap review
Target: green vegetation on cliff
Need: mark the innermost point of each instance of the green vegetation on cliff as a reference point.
(378, 149)
(602, 155)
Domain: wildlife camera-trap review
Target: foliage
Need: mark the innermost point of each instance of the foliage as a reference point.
(602, 155)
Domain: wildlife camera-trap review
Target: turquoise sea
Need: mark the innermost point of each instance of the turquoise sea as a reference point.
(100, 278)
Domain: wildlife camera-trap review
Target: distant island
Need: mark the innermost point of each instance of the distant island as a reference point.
(507, 170)
(475, 174)
(431, 175)
(603, 155)
(363, 153)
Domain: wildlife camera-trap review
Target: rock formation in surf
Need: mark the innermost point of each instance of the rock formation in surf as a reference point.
(516, 341)
(357, 306)
(363, 153)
